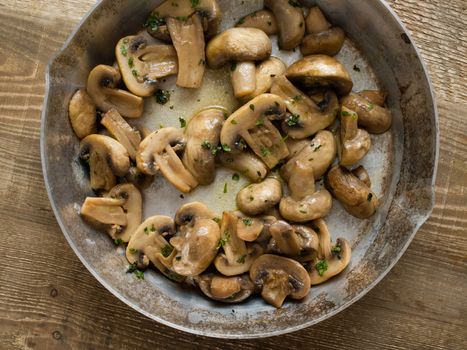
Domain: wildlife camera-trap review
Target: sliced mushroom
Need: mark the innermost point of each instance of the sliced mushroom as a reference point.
(237, 257)
(158, 152)
(354, 142)
(251, 229)
(238, 45)
(106, 214)
(378, 97)
(188, 40)
(375, 119)
(307, 117)
(304, 204)
(298, 242)
(102, 88)
(355, 196)
(143, 62)
(320, 72)
(290, 21)
(107, 158)
(333, 259)
(258, 198)
(266, 71)
(278, 278)
(82, 114)
(202, 134)
(315, 21)
(328, 42)
(246, 163)
(320, 152)
(250, 125)
(226, 289)
(208, 10)
(263, 20)
(295, 146)
(243, 77)
(129, 137)
(149, 245)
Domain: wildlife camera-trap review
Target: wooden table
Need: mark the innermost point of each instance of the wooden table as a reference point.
(48, 300)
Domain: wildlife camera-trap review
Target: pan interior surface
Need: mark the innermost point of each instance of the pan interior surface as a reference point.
(378, 54)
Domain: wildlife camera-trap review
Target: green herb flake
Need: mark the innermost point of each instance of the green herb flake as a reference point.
(224, 240)
(370, 106)
(295, 3)
(252, 107)
(233, 67)
(195, 3)
(345, 114)
(370, 197)
(139, 274)
(247, 221)
(317, 148)
(285, 137)
(162, 96)
(321, 266)
(259, 122)
(133, 268)
(241, 260)
(234, 122)
(225, 188)
(126, 41)
(154, 22)
(182, 122)
(202, 63)
(337, 249)
(133, 250)
(178, 258)
(293, 120)
(146, 230)
(241, 21)
(118, 241)
(235, 177)
(131, 62)
(251, 198)
(216, 220)
(166, 251)
(226, 148)
(134, 72)
(264, 151)
(206, 144)
(123, 50)
(297, 98)
(161, 126)
(303, 211)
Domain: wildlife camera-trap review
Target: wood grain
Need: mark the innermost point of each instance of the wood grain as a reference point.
(48, 300)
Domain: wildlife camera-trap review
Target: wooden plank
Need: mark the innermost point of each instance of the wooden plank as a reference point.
(48, 300)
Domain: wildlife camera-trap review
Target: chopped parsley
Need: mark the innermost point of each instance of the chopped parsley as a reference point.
(166, 251)
(123, 50)
(252, 107)
(241, 21)
(224, 240)
(202, 63)
(154, 22)
(345, 114)
(251, 198)
(293, 120)
(337, 249)
(297, 98)
(206, 144)
(234, 122)
(370, 106)
(162, 96)
(118, 241)
(241, 260)
(195, 3)
(131, 62)
(134, 72)
(133, 268)
(370, 197)
(233, 67)
(295, 3)
(225, 188)
(217, 220)
(303, 211)
(226, 148)
(133, 250)
(264, 151)
(259, 122)
(235, 177)
(247, 221)
(146, 230)
(317, 148)
(182, 122)
(356, 68)
(321, 266)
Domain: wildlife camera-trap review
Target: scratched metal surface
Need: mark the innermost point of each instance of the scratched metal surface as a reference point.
(402, 175)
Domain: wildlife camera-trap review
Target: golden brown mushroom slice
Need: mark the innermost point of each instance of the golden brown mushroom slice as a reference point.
(148, 244)
(375, 119)
(319, 152)
(260, 197)
(250, 125)
(354, 142)
(196, 239)
(304, 203)
(82, 114)
(102, 88)
(237, 256)
(262, 19)
(129, 137)
(157, 152)
(202, 134)
(307, 117)
(107, 159)
(332, 260)
(188, 40)
(298, 242)
(246, 163)
(290, 21)
(320, 72)
(143, 62)
(233, 289)
(238, 45)
(354, 194)
(278, 278)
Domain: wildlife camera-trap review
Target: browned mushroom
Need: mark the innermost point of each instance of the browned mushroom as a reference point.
(354, 142)
(258, 198)
(82, 114)
(226, 289)
(262, 19)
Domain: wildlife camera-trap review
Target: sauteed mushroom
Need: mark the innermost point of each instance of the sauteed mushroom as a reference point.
(378, 97)
(262, 19)
(158, 152)
(233, 289)
(102, 88)
(82, 114)
(315, 21)
(278, 278)
(243, 77)
(246, 163)
(107, 158)
(254, 228)
(257, 198)
(354, 142)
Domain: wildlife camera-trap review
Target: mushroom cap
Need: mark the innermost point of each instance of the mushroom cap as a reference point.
(279, 277)
(82, 114)
(312, 207)
(202, 134)
(246, 163)
(133, 207)
(320, 71)
(142, 62)
(336, 263)
(250, 123)
(101, 87)
(239, 45)
(320, 152)
(257, 198)
(328, 42)
(195, 246)
(307, 117)
(226, 289)
(378, 97)
(158, 152)
(375, 119)
(107, 159)
(290, 21)
(263, 19)
(188, 213)
(354, 143)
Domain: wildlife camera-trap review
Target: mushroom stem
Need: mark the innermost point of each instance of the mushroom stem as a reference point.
(243, 79)
(276, 288)
(302, 181)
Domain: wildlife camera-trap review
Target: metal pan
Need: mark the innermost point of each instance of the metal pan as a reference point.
(402, 164)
